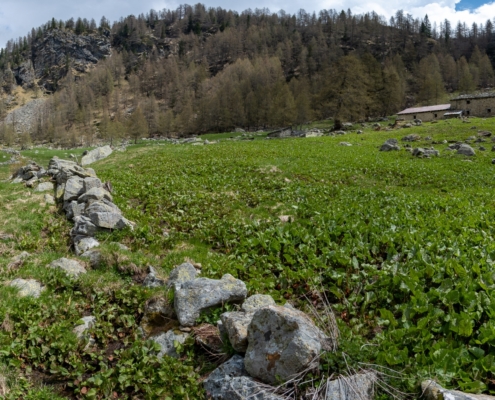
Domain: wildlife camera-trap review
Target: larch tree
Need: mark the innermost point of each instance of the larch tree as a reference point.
(465, 78)
(431, 87)
(345, 94)
(137, 125)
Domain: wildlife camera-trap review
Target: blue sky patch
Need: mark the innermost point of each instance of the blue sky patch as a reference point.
(468, 5)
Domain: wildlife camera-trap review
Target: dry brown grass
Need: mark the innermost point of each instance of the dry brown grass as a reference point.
(4, 390)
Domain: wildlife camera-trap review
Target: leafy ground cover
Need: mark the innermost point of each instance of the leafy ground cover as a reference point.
(402, 247)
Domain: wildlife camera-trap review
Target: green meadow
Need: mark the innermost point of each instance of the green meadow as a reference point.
(402, 247)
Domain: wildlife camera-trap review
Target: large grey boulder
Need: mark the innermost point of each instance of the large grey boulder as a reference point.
(71, 267)
(354, 387)
(166, 341)
(182, 273)
(390, 145)
(44, 187)
(73, 188)
(282, 342)
(95, 155)
(257, 301)
(230, 381)
(466, 150)
(27, 287)
(197, 295)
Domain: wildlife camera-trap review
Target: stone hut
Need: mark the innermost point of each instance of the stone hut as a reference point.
(429, 113)
(477, 104)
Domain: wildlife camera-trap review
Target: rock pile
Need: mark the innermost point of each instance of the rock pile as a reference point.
(30, 174)
(84, 198)
(278, 342)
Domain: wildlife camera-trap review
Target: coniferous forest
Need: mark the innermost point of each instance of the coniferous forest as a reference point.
(198, 69)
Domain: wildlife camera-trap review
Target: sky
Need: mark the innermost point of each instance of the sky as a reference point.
(17, 17)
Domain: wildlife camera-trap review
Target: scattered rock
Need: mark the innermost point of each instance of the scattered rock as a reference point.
(411, 138)
(27, 287)
(281, 343)
(44, 187)
(21, 257)
(390, 145)
(85, 244)
(49, 199)
(420, 152)
(481, 148)
(347, 144)
(71, 267)
(121, 246)
(465, 150)
(95, 155)
(433, 391)
(167, 342)
(152, 280)
(194, 296)
(95, 258)
(81, 330)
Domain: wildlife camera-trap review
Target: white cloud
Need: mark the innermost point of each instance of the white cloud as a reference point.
(17, 17)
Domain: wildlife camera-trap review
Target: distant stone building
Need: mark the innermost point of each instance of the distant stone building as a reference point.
(429, 113)
(476, 105)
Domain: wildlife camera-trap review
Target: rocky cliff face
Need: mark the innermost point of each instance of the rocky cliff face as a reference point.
(59, 48)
